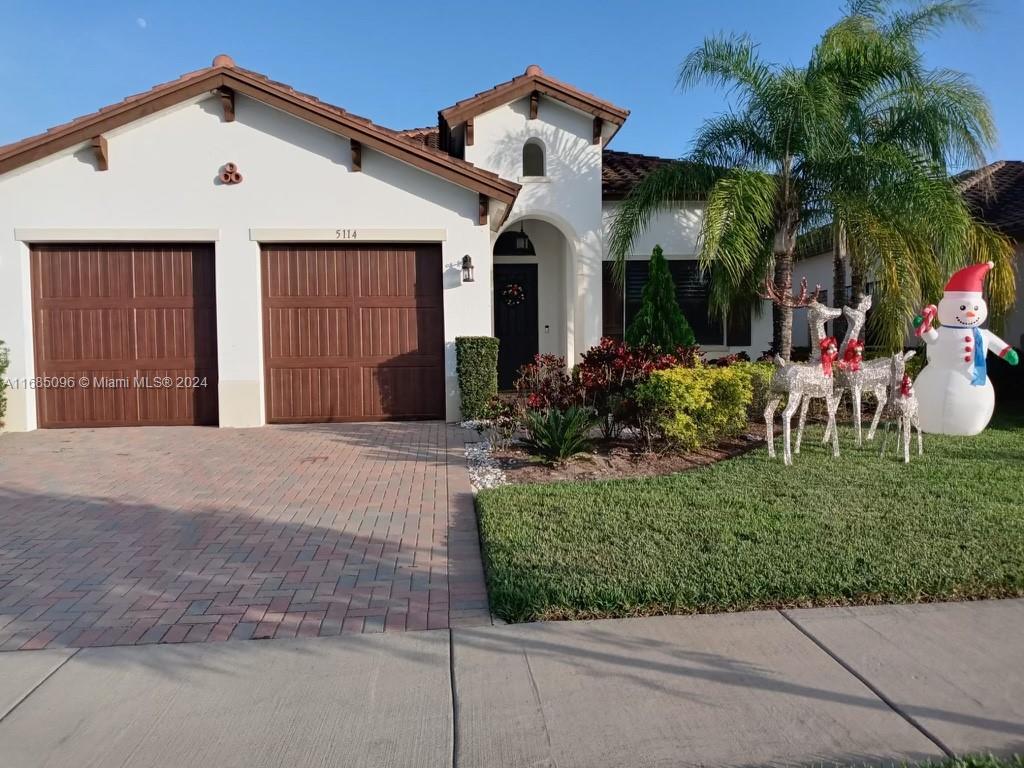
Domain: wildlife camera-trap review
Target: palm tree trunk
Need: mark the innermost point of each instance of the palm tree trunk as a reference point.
(856, 282)
(839, 261)
(782, 316)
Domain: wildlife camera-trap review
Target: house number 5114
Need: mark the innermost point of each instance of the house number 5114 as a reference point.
(345, 234)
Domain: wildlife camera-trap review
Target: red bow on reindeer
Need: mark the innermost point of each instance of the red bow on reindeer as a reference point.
(853, 356)
(829, 353)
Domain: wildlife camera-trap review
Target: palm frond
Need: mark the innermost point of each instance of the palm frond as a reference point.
(668, 185)
(985, 244)
(930, 17)
(727, 61)
(740, 211)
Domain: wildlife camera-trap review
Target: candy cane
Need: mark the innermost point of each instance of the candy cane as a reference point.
(928, 314)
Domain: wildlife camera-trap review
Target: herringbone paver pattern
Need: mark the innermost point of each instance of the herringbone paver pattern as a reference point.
(166, 535)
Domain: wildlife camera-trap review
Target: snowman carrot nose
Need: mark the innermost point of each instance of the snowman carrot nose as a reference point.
(970, 314)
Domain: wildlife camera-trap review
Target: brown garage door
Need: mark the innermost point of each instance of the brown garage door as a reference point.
(353, 332)
(135, 323)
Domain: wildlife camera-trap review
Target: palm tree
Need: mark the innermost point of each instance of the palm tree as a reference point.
(860, 139)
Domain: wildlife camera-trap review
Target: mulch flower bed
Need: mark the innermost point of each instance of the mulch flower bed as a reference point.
(614, 459)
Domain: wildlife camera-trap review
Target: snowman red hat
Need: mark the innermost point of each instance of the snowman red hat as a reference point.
(968, 283)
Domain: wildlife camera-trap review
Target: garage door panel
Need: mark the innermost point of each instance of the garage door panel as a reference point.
(306, 272)
(348, 341)
(72, 336)
(310, 394)
(120, 313)
(103, 401)
(309, 332)
(407, 391)
(176, 396)
(74, 273)
(393, 331)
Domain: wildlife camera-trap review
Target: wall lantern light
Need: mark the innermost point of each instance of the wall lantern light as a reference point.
(467, 269)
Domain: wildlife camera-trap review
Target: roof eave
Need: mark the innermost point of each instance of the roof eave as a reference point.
(374, 137)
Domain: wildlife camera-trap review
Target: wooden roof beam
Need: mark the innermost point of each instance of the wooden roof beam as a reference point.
(99, 148)
(227, 101)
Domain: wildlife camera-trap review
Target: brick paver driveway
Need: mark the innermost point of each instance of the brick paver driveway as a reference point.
(145, 535)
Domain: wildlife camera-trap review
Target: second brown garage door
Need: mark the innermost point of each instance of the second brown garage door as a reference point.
(353, 332)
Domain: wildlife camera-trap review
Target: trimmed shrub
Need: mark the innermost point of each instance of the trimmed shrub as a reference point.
(556, 435)
(5, 360)
(477, 369)
(546, 383)
(760, 382)
(692, 407)
(609, 371)
(660, 322)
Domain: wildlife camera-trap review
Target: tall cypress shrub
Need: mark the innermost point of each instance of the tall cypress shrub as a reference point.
(660, 321)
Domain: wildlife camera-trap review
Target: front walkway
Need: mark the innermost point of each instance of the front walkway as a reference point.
(808, 687)
(167, 535)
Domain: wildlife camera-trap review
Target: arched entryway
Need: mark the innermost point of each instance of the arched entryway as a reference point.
(531, 282)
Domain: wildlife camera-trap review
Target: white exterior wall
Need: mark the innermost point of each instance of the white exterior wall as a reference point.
(818, 271)
(567, 197)
(677, 233)
(296, 176)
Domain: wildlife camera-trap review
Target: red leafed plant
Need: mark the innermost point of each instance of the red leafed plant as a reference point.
(609, 371)
(545, 383)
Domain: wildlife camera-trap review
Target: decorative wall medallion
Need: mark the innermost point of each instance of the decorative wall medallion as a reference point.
(513, 294)
(229, 174)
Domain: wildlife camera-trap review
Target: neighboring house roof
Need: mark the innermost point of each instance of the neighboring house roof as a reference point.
(428, 136)
(995, 194)
(224, 74)
(534, 79)
(621, 171)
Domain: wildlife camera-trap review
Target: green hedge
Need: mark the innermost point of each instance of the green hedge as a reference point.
(691, 407)
(477, 368)
(760, 383)
(4, 362)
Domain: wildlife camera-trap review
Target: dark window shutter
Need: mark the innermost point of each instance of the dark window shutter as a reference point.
(611, 303)
(692, 296)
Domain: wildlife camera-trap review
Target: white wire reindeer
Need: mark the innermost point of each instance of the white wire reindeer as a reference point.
(902, 407)
(860, 376)
(800, 381)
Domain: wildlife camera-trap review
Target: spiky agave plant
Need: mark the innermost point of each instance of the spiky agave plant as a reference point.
(557, 435)
(861, 139)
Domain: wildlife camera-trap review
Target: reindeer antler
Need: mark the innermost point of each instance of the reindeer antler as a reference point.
(772, 292)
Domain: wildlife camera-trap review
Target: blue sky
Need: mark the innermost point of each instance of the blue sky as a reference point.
(398, 63)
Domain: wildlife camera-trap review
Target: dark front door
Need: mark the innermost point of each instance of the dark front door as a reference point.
(515, 320)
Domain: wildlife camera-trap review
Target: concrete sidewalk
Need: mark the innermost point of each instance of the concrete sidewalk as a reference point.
(876, 684)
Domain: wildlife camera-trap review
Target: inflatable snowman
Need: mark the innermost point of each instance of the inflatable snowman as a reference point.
(953, 390)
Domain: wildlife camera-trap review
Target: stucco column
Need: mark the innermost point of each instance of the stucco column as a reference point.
(16, 318)
(588, 291)
(239, 330)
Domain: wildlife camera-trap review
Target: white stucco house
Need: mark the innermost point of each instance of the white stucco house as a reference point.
(223, 249)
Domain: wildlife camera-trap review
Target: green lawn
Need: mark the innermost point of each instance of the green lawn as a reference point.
(751, 533)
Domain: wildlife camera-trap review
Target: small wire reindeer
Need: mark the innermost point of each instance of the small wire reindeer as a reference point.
(902, 406)
(799, 381)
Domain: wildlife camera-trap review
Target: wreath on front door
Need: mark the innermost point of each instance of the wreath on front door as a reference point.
(513, 294)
